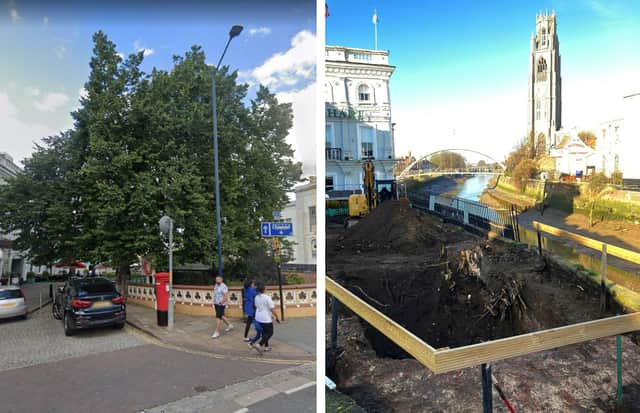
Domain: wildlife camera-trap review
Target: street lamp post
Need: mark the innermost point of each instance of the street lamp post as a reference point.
(166, 227)
(235, 31)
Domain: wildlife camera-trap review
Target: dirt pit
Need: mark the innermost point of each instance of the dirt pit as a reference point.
(451, 288)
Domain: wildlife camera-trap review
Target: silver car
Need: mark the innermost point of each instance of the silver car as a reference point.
(12, 302)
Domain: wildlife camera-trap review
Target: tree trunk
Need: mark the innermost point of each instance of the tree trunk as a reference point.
(124, 272)
(593, 204)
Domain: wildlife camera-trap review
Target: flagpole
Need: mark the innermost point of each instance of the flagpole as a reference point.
(375, 28)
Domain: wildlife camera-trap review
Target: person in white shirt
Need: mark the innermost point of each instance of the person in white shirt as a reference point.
(265, 313)
(220, 300)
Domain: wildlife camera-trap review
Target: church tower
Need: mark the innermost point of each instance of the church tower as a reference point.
(545, 84)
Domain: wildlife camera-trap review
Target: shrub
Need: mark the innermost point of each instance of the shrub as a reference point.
(294, 278)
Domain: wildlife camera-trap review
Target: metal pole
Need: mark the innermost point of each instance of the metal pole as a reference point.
(487, 399)
(539, 244)
(278, 260)
(603, 278)
(215, 160)
(619, 369)
(50, 290)
(170, 315)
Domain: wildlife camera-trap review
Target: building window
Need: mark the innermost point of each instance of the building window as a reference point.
(544, 37)
(363, 93)
(329, 183)
(538, 107)
(328, 136)
(542, 65)
(312, 219)
(361, 56)
(366, 142)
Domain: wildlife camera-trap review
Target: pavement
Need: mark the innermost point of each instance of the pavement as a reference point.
(37, 294)
(294, 341)
(107, 370)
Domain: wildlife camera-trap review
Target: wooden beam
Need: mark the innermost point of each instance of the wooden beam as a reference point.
(625, 254)
(476, 354)
(420, 350)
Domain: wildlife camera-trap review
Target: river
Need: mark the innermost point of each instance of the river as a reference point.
(473, 187)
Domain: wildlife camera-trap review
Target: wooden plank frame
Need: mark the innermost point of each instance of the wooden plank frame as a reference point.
(625, 254)
(446, 360)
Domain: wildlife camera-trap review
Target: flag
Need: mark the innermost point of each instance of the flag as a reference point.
(326, 10)
(375, 17)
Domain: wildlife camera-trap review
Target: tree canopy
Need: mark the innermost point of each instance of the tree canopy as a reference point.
(141, 147)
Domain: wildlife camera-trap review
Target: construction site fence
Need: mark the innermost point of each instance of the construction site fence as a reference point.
(468, 213)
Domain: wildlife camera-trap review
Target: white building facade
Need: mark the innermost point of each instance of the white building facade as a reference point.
(302, 214)
(12, 262)
(618, 142)
(358, 118)
(544, 111)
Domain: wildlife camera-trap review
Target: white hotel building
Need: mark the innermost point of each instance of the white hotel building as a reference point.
(358, 118)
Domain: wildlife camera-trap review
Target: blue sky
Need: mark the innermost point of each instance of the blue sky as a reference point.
(462, 65)
(45, 49)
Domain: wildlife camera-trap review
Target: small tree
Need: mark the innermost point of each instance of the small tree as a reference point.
(595, 189)
(525, 170)
(588, 137)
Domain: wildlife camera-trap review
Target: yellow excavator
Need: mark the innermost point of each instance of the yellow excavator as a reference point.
(362, 204)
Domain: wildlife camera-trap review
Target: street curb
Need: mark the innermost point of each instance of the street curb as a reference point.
(169, 345)
(44, 304)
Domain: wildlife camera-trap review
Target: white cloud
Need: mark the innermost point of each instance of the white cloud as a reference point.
(287, 69)
(259, 31)
(31, 91)
(18, 137)
(137, 46)
(60, 51)
(13, 12)
(51, 102)
(302, 136)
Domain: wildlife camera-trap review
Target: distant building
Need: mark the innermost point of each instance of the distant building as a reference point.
(618, 142)
(358, 118)
(12, 262)
(302, 214)
(544, 112)
(573, 157)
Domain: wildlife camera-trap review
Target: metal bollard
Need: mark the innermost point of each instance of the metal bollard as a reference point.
(487, 395)
(40, 299)
(50, 290)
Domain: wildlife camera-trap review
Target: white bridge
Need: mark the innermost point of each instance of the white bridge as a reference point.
(423, 167)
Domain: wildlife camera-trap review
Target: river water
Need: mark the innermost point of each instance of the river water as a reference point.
(473, 187)
(472, 190)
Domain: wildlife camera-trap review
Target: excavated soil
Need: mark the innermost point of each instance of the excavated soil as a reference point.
(451, 288)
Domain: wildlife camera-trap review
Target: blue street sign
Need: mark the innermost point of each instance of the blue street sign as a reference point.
(276, 229)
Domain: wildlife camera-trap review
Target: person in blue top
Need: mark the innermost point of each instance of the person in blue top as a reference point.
(248, 296)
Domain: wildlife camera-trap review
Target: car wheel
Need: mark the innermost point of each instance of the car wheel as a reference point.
(118, 326)
(24, 317)
(68, 330)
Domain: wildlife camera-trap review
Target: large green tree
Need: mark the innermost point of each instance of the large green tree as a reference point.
(141, 147)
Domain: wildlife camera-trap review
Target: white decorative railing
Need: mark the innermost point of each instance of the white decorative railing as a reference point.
(303, 295)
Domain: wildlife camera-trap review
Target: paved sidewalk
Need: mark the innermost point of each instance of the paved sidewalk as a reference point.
(36, 292)
(293, 340)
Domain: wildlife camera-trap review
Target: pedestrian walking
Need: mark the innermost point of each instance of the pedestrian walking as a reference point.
(265, 313)
(249, 293)
(220, 300)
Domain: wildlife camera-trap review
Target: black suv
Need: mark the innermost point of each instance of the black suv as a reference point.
(89, 302)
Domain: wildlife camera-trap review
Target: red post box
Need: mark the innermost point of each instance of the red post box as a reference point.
(162, 298)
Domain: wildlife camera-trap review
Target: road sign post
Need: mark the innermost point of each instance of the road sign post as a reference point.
(276, 230)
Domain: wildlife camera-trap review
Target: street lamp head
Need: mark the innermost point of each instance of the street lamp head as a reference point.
(235, 30)
(165, 224)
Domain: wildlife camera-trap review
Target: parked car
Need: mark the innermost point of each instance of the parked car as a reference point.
(89, 302)
(12, 302)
